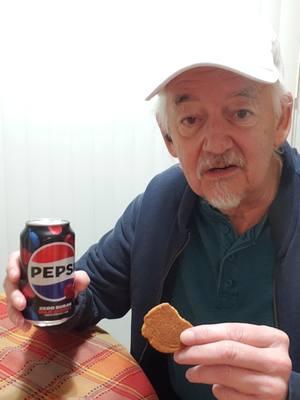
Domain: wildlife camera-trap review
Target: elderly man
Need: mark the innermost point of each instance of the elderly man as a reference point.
(218, 236)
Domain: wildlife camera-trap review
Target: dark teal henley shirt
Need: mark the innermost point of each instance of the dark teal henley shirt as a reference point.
(221, 277)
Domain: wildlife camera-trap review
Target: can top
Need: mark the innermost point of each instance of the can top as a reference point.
(46, 222)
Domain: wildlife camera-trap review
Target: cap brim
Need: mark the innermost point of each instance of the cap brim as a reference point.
(259, 75)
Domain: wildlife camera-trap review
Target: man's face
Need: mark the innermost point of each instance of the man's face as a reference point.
(224, 132)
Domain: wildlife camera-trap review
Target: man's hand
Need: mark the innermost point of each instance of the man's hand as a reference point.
(16, 301)
(241, 361)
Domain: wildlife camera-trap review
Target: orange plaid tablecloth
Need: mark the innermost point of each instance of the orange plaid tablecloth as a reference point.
(39, 365)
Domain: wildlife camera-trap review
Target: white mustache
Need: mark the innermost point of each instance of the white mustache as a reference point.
(209, 161)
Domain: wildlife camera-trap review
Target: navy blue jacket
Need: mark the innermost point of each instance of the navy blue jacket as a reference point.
(131, 266)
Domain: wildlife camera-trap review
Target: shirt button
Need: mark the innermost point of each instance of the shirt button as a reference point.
(226, 229)
(228, 283)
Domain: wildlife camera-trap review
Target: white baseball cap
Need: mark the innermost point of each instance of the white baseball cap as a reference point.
(248, 48)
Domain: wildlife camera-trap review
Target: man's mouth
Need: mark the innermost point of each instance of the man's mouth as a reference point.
(218, 166)
(221, 171)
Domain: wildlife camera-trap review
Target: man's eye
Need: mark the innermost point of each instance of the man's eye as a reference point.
(190, 121)
(243, 117)
(243, 113)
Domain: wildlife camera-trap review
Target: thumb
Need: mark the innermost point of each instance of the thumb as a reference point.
(81, 281)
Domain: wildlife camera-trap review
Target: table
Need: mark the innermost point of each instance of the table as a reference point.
(39, 365)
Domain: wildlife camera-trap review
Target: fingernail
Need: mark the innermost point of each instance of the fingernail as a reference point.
(19, 301)
(188, 375)
(187, 336)
(177, 357)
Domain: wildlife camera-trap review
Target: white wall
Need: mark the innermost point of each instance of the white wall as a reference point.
(77, 139)
(289, 34)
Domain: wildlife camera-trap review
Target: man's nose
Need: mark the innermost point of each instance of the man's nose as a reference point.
(217, 138)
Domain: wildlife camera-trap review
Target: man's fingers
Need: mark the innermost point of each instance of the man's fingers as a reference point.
(17, 318)
(240, 380)
(13, 267)
(18, 300)
(224, 393)
(81, 281)
(254, 335)
(228, 352)
(14, 296)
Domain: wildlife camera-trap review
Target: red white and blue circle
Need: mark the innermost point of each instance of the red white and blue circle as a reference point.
(50, 270)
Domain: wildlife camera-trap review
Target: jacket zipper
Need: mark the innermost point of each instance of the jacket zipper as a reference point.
(275, 312)
(168, 270)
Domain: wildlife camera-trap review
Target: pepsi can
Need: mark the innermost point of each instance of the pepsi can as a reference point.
(47, 253)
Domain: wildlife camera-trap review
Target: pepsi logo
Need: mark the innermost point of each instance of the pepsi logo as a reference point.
(50, 270)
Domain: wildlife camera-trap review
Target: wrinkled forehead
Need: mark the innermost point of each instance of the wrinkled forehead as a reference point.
(199, 82)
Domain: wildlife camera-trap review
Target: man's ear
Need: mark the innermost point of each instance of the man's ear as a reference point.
(284, 122)
(167, 138)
